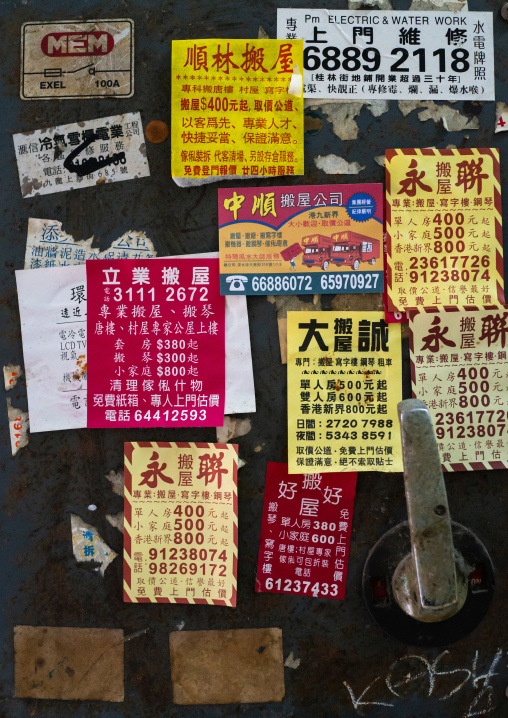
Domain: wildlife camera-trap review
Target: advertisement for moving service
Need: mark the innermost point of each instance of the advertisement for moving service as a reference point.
(321, 239)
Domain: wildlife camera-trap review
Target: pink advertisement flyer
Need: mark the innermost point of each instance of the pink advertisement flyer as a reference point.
(156, 343)
(305, 532)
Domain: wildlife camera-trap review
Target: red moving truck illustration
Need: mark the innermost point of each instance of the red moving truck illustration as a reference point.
(343, 248)
(317, 250)
(350, 248)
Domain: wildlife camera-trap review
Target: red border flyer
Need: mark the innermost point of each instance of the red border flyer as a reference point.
(305, 533)
(156, 346)
(181, 523)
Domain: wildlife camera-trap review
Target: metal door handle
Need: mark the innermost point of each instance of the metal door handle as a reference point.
(428, 584)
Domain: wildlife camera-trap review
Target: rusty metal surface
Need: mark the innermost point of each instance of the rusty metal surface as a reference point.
(64, 472)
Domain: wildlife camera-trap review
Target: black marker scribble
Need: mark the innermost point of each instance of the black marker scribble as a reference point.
(92, 164)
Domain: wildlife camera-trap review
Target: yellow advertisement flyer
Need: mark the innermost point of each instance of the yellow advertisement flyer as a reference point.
(237, 108)
(459, 367)
(443, 225)
(181, 523)
(344, 383)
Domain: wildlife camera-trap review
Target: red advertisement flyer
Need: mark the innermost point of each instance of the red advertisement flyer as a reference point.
(305, 533)
(156, 348)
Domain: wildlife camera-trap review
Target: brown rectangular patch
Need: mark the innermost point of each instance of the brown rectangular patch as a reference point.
(237, 666)
(69, 663)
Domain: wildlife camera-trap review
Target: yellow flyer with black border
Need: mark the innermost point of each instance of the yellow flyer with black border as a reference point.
(344, 383)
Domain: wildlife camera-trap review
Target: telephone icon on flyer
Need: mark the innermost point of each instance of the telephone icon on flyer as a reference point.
(237, 282)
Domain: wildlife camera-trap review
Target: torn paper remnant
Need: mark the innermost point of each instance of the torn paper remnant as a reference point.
(342, 113)
(501, 117)
(69, 663)
(18, 427)
(452, 119)
(334, 165)
(233, 428)
(48, 245)
(292, 662)
(88, 546)
(116, 479)
(232, 666)
(12, 372)
(81, 154)
(116, 521)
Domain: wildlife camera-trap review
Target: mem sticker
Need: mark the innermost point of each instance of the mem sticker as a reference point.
(62, 60)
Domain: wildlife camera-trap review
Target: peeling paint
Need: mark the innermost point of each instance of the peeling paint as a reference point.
(342, 113)
(18, 427)
(312, 124)
(357, 302)
(241, 463)
(88, 546)
(458, 6)
(12, 372)
(453, 120)
(292, 662)
(232, 428)
(335, 165)
(116, 479)
(366, 4)
(116, 520)
(380, 159)
(285, 304)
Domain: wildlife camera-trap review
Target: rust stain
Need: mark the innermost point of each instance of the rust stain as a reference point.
(156, 131)
(81, 370)
(101, 180)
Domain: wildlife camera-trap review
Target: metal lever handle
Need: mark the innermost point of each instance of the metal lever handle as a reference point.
(428, 584)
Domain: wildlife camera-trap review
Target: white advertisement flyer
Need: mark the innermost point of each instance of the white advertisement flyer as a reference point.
(82, 154)
(390, 55)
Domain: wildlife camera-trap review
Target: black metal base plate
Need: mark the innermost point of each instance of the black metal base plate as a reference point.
(377, 589)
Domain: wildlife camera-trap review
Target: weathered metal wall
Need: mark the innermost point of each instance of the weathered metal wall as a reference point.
(63, 472)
